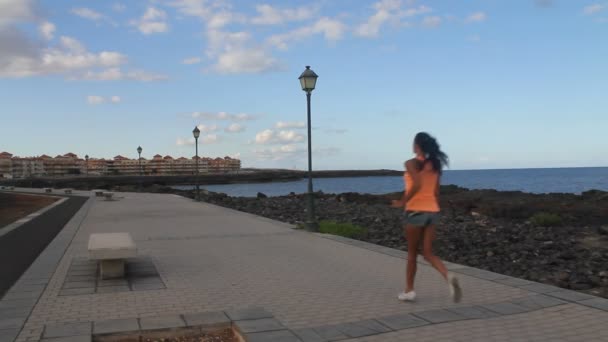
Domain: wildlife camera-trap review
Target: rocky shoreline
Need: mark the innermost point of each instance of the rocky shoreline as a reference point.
(487, 229)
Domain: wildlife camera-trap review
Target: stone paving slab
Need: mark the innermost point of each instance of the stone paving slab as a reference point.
(115, 326)
(207, 319)
(67, 329)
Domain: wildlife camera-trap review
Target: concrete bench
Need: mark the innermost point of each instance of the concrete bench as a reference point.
(68, 191)
(48, 190)
(98, 192)
(111, 250)
(108, 195)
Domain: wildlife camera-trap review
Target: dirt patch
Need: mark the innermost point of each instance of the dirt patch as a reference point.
(226, 335)
(15, 206)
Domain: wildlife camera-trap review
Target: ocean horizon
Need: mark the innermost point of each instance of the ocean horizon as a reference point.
(534, 180)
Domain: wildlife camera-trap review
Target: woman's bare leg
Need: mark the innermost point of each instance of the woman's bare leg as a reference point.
(427, 251)
(413, 234)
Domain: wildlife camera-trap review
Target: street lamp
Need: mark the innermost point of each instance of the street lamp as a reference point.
(139, 149)
(86, 158)
(308, 80)
(196, 133)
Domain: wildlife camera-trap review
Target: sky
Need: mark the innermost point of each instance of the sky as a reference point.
(500, 83)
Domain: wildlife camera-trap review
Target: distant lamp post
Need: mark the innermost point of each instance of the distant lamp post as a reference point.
(196, 133)
(308, 80)
(141, 171)
(86, 165)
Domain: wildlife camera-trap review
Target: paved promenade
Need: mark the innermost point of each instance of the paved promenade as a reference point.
(203, 258)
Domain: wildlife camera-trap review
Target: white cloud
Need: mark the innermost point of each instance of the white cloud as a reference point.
(223, 116)
(118, 7)
(246, 61)
(476, 17)
(152, 21)
(431, 21)
(269, 15)
(326, 151)
(593, 9)
(191, 60)
(331, 29)
(235, 128)
(279, 152)
(207, 128)
(387, 11)
(15, 11)
(116, 74)
(47, 29)
(281, 137)
(288, 125)
(87, 13)
(209, 139)
(95, 100)
(203, 139)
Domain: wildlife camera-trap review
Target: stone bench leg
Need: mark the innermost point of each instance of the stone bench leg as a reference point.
(111, 269)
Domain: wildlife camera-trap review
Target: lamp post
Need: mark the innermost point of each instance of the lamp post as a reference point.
(139, 149)
(86, 168)
(308, 80)
(196, 133)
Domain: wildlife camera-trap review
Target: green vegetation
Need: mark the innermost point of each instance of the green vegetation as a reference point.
(348, 230)
(546, 220)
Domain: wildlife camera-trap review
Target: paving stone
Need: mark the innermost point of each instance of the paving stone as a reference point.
(473, 312)
(572, 296)
(9, 335)
(115, 326)
(248, 313)
(28, 287)
(353, 330)
(145, 280)
(18, 303)
(14, 312)
(12, 323)
(22, 295)
(404, 321)
(538, 302)
(78, 284)
(113, 289)
(505, 308)
(598, 303)
(162, 322)
(112, 282)
(272, 336)
(482, 274)
(330, 333)
(207, 319)
(70, 278)
(373, 325)
(308, 335)
(81, 273)
(65, 330)
(42, 281)
(439, 316)
(513, 281)
(147, 287)
(81, 338)
(258, 325)
(540, 288)
(75, 292)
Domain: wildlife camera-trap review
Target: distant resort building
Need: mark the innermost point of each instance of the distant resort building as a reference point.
(70, 164)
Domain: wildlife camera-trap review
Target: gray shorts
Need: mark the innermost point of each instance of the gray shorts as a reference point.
(420, 218)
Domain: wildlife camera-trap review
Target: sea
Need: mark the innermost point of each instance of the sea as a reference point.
(554, 180)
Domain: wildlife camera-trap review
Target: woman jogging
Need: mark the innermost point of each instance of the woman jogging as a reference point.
(421, 204)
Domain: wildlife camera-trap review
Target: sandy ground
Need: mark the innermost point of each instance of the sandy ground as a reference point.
(16, 206)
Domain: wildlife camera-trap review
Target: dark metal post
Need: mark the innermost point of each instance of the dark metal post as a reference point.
(198, 197)
(312, 224)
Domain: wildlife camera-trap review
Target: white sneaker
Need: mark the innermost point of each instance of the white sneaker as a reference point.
(407, 296)
(455, 289)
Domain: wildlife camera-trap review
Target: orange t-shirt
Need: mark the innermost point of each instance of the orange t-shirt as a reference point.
(426, 197)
